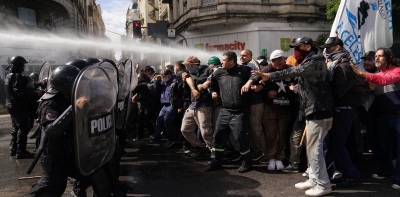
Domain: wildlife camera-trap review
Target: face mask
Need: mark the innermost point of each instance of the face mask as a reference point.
(300, 55)
(326, 53)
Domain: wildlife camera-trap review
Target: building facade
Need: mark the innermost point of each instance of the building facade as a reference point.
(259, 25)
(37, 20)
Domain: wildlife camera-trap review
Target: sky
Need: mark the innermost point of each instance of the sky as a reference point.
(114, 16)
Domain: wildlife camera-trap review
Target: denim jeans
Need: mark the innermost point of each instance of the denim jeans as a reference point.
(315, 135)
(166, 120)
(388, 127)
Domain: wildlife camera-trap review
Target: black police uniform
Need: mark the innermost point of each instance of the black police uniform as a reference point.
(57, 160)
(17, 95)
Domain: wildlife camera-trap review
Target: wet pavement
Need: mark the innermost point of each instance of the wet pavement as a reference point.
(155, 171)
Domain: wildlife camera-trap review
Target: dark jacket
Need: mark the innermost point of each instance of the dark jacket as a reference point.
(285, 99)
(230, 83)
(17, 93)
(144, 95)
(347, 87)
(199, 77)
(314, 86)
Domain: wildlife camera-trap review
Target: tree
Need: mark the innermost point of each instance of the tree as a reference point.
(331, 10)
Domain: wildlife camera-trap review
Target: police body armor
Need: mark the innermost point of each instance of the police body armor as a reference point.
(94, 97)
(13, 81)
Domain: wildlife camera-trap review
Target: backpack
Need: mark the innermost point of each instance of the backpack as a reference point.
(176, 96)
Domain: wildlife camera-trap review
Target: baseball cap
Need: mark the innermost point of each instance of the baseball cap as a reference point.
(276, 54)
(192, 60)
(369, 54)
(332, 41)
(149, 68)
(302, 40)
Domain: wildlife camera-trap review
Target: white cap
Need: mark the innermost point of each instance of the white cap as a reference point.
(276, 54)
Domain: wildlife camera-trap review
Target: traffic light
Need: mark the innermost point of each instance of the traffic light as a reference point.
(137, 29)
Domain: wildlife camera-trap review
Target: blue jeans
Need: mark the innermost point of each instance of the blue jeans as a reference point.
(166, 120)
(388, 127)
(341, 128)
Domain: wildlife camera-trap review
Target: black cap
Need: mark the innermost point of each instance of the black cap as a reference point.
(148, 68)
(369, 54)
(167, 72)
(302, 40)
(332, 41)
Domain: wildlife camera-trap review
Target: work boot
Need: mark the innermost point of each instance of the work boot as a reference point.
(245, 167)
(213, 165)
(13, 152)
(24, 155)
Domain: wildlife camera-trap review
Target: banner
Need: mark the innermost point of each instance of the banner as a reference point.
(363, 25)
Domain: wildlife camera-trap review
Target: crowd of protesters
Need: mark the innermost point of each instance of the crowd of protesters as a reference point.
(273, 110)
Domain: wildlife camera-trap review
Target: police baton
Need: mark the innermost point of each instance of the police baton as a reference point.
(56, 128)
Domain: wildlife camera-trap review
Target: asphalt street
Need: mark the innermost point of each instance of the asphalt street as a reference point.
(155, 171)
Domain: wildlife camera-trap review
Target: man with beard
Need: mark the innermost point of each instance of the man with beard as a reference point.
(314, 87)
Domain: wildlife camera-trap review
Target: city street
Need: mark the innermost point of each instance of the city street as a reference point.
(150, 171)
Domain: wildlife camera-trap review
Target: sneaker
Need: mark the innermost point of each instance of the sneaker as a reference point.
(183, 150)
(271, 164)
(153, 143)
(318, 191)
(381, 176)
(24, 155)
(255, 156)
(306, 184)
(169, 144)
(279, 165)
(236, 156)
(346, 182)
(336, 175)
(196, 153)
(213, 165)
(290, 168)
(245, 167)
(396, 185)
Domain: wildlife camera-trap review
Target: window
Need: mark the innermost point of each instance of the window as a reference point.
(208, 2)
(301, 1)
(27, 16)
(264, 1)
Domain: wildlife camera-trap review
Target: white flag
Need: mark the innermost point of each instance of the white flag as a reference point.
(363, 25)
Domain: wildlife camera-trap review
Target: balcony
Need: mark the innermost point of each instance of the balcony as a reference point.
(235, 12)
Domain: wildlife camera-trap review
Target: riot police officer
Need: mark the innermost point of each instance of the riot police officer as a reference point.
(57, 159)
(17, 95)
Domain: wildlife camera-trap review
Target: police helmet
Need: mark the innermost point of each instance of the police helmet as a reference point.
(18, 63)
(214, 60)
(109, 61)
(91, 60)
(63, 78)
(34, 76)
(80, 64)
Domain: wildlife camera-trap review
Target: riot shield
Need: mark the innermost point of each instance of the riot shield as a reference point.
(44, 73)
(94, 96)
(130, 69)
(123, 92)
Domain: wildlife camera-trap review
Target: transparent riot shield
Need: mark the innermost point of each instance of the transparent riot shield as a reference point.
(123, 92)
(44, 73)
(94, 97)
